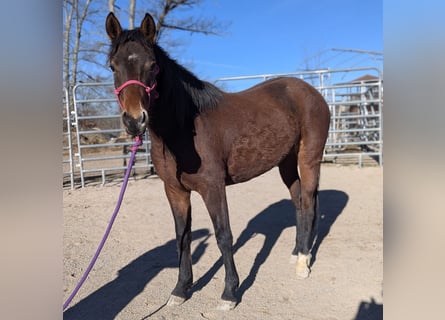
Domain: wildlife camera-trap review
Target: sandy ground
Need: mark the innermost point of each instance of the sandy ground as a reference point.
(137, 268)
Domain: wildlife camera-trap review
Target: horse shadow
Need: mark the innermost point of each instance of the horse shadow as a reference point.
(107, 301)
(369, 311)
(271, 222)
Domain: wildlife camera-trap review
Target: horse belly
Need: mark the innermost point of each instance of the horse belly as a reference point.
(257, 151)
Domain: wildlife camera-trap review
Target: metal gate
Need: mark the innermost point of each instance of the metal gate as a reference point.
(101, 147)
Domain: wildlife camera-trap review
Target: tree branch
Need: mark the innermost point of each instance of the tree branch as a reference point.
(191, 29)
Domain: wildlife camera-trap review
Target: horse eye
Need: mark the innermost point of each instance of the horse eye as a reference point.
(150, 65)
(112, 68)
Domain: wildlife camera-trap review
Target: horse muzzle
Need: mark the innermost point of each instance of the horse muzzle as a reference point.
(135, 126)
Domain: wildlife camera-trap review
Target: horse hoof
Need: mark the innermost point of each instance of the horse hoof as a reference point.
(302, 267)
(175, 301)
(226, 305)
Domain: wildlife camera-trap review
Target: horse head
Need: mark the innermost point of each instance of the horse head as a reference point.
(133, 63)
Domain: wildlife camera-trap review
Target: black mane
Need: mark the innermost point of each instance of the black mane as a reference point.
(202, 94)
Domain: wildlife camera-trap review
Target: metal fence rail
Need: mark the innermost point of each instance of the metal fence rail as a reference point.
(95, 146)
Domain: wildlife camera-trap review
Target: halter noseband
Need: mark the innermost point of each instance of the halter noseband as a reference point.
(149, 90)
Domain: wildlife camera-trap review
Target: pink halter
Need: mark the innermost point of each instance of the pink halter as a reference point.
(148, 89)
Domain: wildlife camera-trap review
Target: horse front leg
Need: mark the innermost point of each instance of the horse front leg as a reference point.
(179, 200)
(215, 200)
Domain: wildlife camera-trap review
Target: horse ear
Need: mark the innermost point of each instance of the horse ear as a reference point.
(113, 26)
(148, 27)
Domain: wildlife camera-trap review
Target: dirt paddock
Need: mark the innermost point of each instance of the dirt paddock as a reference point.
(137, 268)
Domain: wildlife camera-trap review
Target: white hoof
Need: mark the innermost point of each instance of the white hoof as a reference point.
(302, 267)
(226, 305)
(175, 301)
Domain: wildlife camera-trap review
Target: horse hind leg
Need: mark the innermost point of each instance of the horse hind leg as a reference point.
(307, 216)
(303, 191)
(289, 174)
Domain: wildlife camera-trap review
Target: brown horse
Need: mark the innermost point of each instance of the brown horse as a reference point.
(203, 139)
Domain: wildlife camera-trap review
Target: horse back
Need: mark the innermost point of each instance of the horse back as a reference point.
(252, 131)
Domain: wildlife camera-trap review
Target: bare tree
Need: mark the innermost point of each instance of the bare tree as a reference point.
(111, 5)
(166, 20)
(68, 12)
(131, 14)
(81, 15)
(86, 45)
(75, 14)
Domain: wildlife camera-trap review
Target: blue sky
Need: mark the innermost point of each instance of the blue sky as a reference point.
(278, 36)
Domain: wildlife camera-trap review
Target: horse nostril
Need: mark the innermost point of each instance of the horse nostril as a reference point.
(143, 117)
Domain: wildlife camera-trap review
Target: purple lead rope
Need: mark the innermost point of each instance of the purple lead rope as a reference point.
(134, 148)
